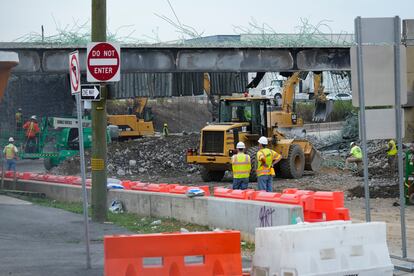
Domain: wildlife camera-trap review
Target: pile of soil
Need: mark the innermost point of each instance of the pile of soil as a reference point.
(143, 159)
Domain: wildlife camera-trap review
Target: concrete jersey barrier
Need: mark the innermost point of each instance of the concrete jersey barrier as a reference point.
(242, 215)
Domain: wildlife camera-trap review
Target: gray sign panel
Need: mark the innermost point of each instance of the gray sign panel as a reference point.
(378, 66)
(377, 30)
(380, 123)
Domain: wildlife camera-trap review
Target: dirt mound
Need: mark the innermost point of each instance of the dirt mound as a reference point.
(143, 159)
(377, 189)
(185, 115)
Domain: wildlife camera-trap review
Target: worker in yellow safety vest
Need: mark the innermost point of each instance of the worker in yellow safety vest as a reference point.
(266, 159)
(354, 156)
(241, 166)
(391, 155)
(19, 119)
(10, 152)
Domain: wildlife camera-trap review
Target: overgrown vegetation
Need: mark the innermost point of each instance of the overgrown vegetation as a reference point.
(340, 111)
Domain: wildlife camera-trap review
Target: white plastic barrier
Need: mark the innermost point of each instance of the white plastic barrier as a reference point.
(328, 248)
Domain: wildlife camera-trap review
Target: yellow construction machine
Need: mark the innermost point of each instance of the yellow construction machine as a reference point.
(135, 125)
(246, 119)
(323, 107)
(285, 115)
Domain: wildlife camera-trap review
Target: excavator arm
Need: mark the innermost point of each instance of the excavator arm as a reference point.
(323, 107)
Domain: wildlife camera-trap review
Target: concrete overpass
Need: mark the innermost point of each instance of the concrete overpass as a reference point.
(36, 58)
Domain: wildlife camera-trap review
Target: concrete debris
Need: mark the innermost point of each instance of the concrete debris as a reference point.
(146, 159)
(156, 222)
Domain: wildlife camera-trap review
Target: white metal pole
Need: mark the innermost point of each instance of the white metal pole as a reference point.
(398, 118)
(362, 121)
(84, 190)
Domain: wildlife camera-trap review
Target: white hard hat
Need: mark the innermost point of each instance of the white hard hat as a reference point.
(263, 140)
(33, 117)
(352, 143)
(240, 145)
(11, 139)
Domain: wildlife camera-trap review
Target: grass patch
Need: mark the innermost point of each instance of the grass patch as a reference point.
(132, 222)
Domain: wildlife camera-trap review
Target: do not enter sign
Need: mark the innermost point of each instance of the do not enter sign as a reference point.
(103, 62)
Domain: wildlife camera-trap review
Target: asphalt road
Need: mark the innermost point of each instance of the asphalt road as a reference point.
(36, 240)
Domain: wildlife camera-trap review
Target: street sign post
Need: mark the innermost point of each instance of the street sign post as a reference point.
(74, 72)
(103, 62)
(91, 92)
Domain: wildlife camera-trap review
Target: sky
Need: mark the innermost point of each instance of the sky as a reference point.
(139, 20)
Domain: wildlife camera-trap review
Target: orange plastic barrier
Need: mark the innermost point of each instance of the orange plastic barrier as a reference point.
(173, 254)
(329, 206)
(78, 181)
(138, 186)
(9, 174)
(127, 184)
(26, 175)
(53, 178)
(325, 206)
(161, 188)
(236, 194)
(181, 189)
(38, 177)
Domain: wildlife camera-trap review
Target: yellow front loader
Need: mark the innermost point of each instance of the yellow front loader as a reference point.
(246, 119)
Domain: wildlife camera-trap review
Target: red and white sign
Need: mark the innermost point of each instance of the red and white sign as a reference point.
(103, 62)
(74, 72)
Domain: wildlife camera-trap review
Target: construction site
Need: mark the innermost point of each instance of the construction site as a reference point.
(258, 153)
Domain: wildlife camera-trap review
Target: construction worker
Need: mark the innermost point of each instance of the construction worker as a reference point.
(241, 168)
(165, 130)
(354, 156)
(391, 155)
(130, 106)
(10, 152)
(266, 159)
(19, 119)
(32, 129)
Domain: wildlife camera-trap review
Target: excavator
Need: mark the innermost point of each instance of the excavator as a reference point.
(285, 115)
(323, 107)
(135, 125)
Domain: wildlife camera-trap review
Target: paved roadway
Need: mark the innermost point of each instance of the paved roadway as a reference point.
(38, 241)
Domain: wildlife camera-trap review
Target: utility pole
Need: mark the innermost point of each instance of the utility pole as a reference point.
(98, 161)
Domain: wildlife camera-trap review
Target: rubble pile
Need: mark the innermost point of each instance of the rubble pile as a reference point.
(152, 156)
(146, 158)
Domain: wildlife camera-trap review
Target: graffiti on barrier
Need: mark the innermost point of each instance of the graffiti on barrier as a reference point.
(265, 216)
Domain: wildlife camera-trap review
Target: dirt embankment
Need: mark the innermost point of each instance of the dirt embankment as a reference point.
(189, 114)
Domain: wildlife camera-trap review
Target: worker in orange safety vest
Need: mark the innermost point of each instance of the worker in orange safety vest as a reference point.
(266, 159)
(241, 166)
(32, 129)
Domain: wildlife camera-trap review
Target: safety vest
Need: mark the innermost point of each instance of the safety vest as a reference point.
(18, 117)
(392, 148)
(31, 130)
(10, 151)
(241, 165)
(268, 154)
(356, 152)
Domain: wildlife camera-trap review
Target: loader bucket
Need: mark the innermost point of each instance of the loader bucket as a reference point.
(313, 161)
(322, 110)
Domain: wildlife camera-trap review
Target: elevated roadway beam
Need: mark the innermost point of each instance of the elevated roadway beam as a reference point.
(46, 59)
